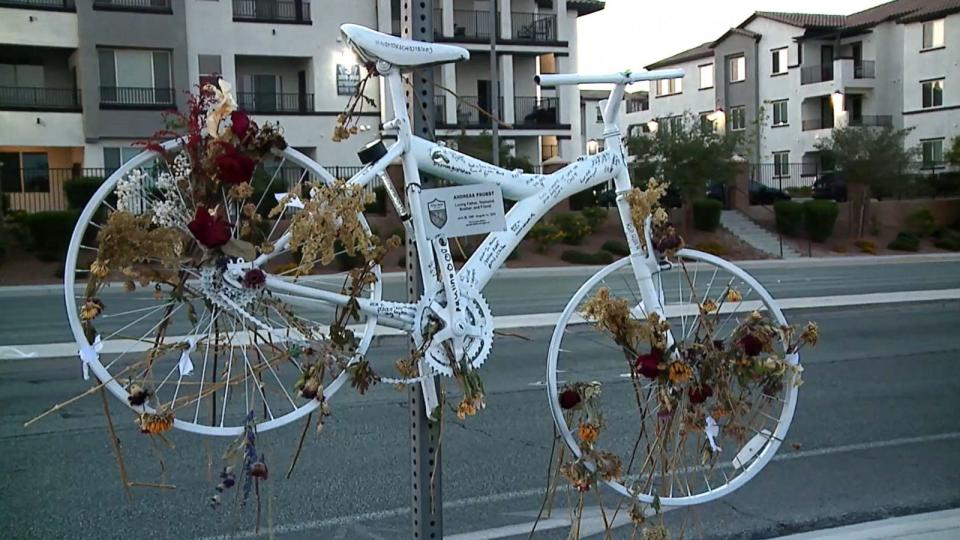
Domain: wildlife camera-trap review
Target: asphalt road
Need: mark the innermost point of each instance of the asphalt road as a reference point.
(876, 434)
(34, 315)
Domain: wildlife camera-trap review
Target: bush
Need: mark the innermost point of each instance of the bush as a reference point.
(264, 190)
(805, 191)
(379, 204)
(948, 239)
(922, 223)
(789, 215)
(580, 257)
(80, 190)
(595, 215)
(617, 247)
(905, 242)
(50, 232)
(573, 226)
(866, 246)
(706, 214)
(713, 248)
(819, 218)
(545, 235)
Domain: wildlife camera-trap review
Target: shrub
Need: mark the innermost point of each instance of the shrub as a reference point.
(545, 235)
(866, 246)
(789, 215)
(595, 215)
(819, 218)
(805, 191)
(573, 226)
(905, 242)
(948, 239)
(706, 214)
(379, 203)
(922, 223)
(713, 248)
(264, 190)
(50, 232)
(579, 257)
(617, 247)
(80, 190)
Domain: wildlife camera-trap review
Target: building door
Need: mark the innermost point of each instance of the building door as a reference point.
(826, 113)
(826, 62)
(265, 93)
(853, 104)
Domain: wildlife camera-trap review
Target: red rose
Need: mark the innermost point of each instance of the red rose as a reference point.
(569, 398)
(211, 231)
(699, 394)
(648, 364)
(234, 167)
(751, 345)
(239, 123)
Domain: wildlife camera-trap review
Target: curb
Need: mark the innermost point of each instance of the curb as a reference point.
(930, 526)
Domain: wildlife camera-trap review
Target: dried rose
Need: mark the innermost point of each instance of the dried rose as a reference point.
(234, 167)
(569, 399)
(310, 389)
(259, 470)
(92, 308)
(254, 278)
(648, 364)
(211, 231)
(239, 123)
(698, 394)
(679, 372)
(751, 345)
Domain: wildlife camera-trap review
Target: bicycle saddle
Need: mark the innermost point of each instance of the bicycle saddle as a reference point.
(406, 54)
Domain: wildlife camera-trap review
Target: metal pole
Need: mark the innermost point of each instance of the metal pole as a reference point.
(494, 83)
(426, 506)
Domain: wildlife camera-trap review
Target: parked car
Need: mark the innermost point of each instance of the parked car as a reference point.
(830, 185)
(759, 193)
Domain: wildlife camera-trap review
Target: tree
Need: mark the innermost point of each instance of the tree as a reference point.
(953, 155)
(481, 147)
(688, 156)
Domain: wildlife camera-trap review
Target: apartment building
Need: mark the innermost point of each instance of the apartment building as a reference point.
(81, 82)
(786, 79)
(591, 111)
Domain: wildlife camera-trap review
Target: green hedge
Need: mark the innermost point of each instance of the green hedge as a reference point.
(819, 218)
(706, 214)
(50, 232)
(595, 215)
(922, 223)
(948, 239)
(617, 247)
(80, 190)
(573, 226)
(905, 242)
(789, 216)
(580, 257)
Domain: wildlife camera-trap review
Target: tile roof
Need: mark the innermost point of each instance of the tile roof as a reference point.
(803, 20)
(700, 51)
(585, 7)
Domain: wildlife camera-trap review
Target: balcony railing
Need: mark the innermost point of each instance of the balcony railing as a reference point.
(468, 24)
(122, 96)
(882, 120)
(534, 111)
(637, 105)
(864, 69)
(538, 27)
(58, 5)
(269, 102)
(816, 74)
(468, 114)
(811, 124)
(278, 11)
(158, 6)
(57, 99)
(439, 109)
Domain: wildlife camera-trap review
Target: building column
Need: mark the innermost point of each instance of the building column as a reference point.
(569, 101)
(446, 16)
(448, 77)
(385, 17)
(564, 22)
(508, 114)
(505, 10)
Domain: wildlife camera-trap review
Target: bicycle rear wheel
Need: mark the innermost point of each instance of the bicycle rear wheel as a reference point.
(667, 454)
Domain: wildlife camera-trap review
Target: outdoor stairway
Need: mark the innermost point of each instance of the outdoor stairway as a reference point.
(754, 235)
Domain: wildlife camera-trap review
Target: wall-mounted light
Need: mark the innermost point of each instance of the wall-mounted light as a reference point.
(836, 99)
(593, 147)
(653, 126)
(716, 115)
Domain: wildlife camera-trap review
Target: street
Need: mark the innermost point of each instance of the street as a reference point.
(875, 434)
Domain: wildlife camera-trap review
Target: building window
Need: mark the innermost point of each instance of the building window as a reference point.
(673, 124)
(781, 164)
(706, 124)
(24, 172)
(737, 69)
(933, 34)
(932, 152)
(114, 157)
(599, 115)
(135, 77)
(636, 130)
(706, 76)
(210, 69)
(666, 87)
(348, 77)
(780, 113)
(738, 118)
(932, 93)
(779, 58)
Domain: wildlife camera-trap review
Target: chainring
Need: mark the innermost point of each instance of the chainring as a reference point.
(476, 348)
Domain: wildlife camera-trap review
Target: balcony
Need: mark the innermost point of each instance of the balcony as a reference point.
(468, 25)
(864, 69)
(50, 5)
(439, 109)
(275, 103)
(812, 124)
(637, 105)
(124, 97)
(272, 11)
(142, 6)
(39, 99)
(816, 74)
(536, 27)
(882, 120)
(468, 111)
(536, 112)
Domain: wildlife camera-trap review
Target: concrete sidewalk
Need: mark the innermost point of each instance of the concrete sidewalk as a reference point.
(943, 525)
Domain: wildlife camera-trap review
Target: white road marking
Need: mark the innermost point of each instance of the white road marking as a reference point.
(69, 349)
(520, 494)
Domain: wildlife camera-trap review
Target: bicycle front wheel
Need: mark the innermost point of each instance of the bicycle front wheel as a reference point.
(684, 434)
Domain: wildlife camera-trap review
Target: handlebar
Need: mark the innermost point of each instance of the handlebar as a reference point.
(626, 77)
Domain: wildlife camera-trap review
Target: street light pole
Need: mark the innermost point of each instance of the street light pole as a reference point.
(494, 84)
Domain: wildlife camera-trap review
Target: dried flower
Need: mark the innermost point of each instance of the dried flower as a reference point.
(362, 376)
(709, 305)
(241, 192)
(810, 334)
(155, 423)
(92, 308)
(234, 167)
(751, 344)
(311, 388)
(699, 393)
(609, 466)
(259, 470)
(138, 395)
(578, 474)
(679, 372)
(239, 124)
(656, 532)
(648, 364)
(99, 269)
(734, 295)
(267, 248)
(569, 399)
(588, 433)
(466, 408)
(209, 229)
(254, 278)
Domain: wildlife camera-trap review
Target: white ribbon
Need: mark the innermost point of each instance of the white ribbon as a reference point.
(186, 365)
(712, 430)
(292, 201)
(88, 354)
